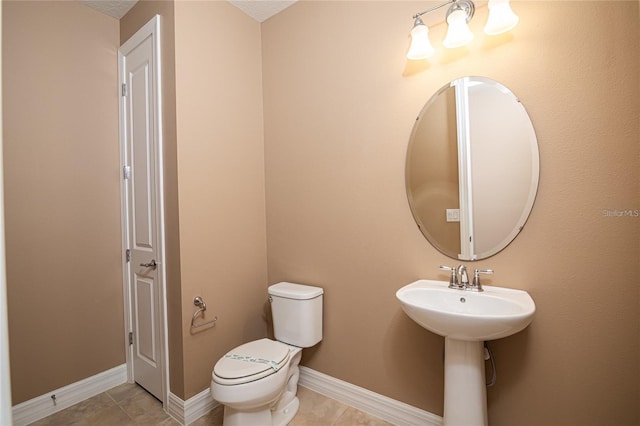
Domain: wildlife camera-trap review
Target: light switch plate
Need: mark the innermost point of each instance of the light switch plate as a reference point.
(453, 215)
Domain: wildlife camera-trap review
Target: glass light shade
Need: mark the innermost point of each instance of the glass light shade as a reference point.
(421, 47)
(458, 33)
(501, 17)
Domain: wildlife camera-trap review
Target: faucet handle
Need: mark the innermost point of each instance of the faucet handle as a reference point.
(476, 286)
(453, 281)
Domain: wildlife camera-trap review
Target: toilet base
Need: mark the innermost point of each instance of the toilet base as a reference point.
(281, 412)
(284, 415)
(234, 417)
(277, 416)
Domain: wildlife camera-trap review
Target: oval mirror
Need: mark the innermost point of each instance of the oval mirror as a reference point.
(472, 168)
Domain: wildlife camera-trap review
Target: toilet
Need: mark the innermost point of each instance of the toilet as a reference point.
(257, 381)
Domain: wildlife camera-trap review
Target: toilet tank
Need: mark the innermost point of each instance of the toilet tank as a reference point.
(297, 313)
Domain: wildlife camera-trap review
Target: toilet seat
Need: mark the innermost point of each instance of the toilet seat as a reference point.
(251, 361)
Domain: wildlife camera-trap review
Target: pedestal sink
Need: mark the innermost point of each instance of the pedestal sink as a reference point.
(466, 319)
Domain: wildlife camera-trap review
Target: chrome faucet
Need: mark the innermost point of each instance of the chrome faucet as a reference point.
(464, 277)
(463, 282)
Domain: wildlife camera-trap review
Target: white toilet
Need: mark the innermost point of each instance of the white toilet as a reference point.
(257, 382)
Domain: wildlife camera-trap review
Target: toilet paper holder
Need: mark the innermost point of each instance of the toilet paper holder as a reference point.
(202, 306)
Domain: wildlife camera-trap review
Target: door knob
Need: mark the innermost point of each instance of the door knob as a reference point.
(151, 264)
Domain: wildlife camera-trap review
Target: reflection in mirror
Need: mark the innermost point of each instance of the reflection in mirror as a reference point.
(472, 168)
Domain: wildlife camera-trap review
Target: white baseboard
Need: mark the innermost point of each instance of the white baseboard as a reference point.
(188, 411)
(380, 406)
(44, 405)
(175, 408)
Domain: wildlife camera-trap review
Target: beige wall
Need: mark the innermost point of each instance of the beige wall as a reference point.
(64, 278)
(340, 102)
(220, 180)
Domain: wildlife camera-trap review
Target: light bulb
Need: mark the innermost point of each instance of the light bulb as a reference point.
(458, 33)
(421, 47)
(501, 17)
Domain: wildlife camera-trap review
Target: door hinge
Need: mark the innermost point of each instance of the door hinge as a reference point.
(128, 255)
(124, 89)
(131, 337)
(126, 172)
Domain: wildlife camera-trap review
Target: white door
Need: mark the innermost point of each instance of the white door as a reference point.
(142, 207)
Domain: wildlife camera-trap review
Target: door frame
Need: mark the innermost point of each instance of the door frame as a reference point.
(5, 381)
(150, 29)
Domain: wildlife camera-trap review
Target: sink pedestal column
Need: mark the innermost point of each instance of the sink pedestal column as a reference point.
(465, 393)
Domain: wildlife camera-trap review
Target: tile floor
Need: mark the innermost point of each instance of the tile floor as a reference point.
(129, 404)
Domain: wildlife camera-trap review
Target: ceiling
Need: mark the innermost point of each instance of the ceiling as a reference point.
(115, 8)
(260, 10)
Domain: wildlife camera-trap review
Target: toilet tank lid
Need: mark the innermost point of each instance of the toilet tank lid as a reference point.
(295, 291)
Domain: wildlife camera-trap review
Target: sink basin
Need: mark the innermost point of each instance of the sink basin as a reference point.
(466, 319)
(465, 315)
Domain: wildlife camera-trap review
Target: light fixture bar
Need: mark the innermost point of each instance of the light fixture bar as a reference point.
(465, 6)
(433, 8)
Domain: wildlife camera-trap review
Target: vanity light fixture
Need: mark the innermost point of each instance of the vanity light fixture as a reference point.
(501, 19)
(458, 15)
(421, 47)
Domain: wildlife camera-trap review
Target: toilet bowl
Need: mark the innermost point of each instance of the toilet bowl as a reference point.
(257, 381)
